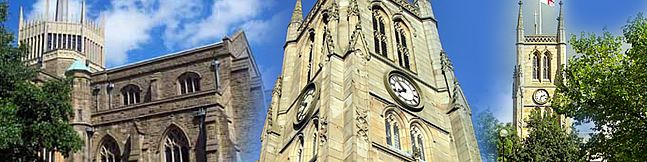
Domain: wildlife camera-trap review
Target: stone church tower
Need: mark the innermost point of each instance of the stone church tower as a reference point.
(540, 58)
(367, 80)
(56, 41)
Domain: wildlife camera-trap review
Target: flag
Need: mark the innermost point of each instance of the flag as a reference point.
(550, 3)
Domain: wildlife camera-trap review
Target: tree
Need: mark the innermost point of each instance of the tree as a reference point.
(550, 141)
(607, 85)
(485, 127)
(547, 141)
(33, 117)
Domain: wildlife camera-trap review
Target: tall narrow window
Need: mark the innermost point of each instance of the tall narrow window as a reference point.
(176, 147)
(50, 39)
(417, 142)
(109, 151)
(392, 132)
(379, 33)
(310, 53)
(546, 67)
(403, 49)
(216, 70)
(535, 66)
(131, 94)
(300, 150)
(189, 83)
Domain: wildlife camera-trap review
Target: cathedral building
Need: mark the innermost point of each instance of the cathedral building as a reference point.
(194, 105)
(540, 58)
(367, 80)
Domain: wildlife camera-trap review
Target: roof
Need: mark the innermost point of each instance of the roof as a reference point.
(78, 65)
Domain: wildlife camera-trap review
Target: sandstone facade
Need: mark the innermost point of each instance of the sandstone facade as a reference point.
(333, 101)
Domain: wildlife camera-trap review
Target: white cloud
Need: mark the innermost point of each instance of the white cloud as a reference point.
(224, 17)
(130, 24)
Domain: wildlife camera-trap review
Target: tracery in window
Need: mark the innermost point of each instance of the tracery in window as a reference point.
(176, 146)
(189, 83)
(546, 66)
(392, 131)
(131, 94)
(402, 46)
(379, 31)
(109, 151)
(535, 66)
(417, 141)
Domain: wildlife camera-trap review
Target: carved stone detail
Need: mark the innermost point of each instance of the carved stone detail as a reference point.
(408, 6)
(446, 62)
(323, 130)
(354, 9)
(333, 12)
(362, 123)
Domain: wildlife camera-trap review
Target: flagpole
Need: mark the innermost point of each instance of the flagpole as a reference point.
(540, 19)
(536, 29)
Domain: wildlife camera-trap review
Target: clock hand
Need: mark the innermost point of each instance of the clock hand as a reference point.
(402, 86)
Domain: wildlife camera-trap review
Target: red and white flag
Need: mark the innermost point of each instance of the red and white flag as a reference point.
(550, 3)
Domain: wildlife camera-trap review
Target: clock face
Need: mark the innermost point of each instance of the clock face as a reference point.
(541, 96)
(304, 104)
(404, 89)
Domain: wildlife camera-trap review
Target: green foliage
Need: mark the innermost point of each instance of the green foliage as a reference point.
(33, 117)
(548, 141)
(607, 85)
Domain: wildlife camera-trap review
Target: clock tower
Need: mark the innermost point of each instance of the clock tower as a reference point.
(540, 58)
(367, 80)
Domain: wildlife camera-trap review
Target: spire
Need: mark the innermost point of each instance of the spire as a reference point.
(560, 23)
(520, 32)
(297, 14)
(61, 10)
(520, 19)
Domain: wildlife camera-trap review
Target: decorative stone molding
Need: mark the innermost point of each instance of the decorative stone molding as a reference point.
(446, 62)
(354, 9)
(540, 39)
(408, 6)
(362, 123)
(333, 12)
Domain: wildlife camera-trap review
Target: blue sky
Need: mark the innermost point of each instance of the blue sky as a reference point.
(478, 34)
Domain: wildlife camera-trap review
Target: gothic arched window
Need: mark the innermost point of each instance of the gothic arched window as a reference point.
(392, 131)
(535, 66)
(311, 45)
(130, 94)
(109, 151)
(379, 30)
(189, 83)
(546, 66)
(176, 146)
(315, 137)
(417, 141)
(299, 152)
(402, 46)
